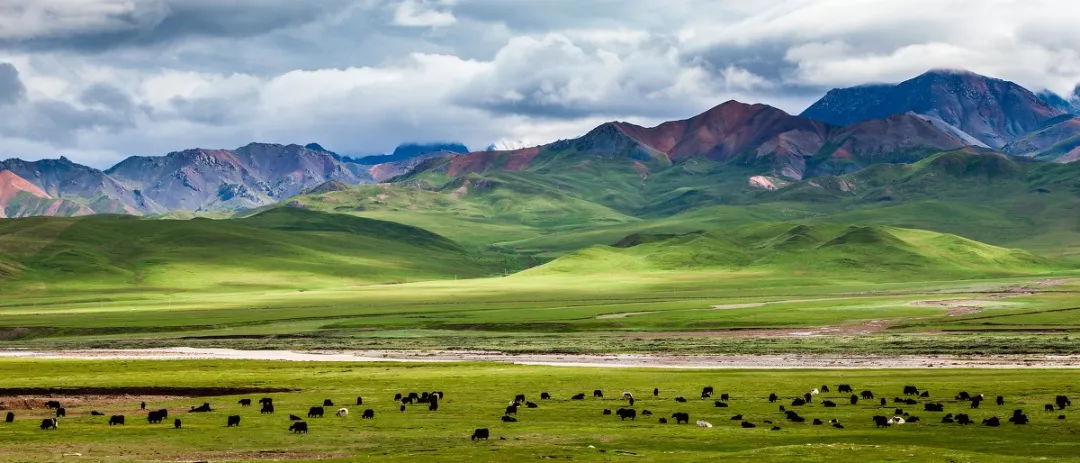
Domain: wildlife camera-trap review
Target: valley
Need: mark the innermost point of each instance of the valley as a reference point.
(889, 235)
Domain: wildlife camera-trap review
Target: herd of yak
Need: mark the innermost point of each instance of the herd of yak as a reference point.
(897, 417)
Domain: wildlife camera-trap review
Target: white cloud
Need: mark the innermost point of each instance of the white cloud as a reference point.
(736, 78)
(555, 77)
(844, 42)
(360, 76)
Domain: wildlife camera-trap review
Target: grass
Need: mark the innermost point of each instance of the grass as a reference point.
(292, 277)
(570, 200)
(803, 250)
(834, 252)
(476, 394)
(279, 248)
(597, 247)
(546, 313)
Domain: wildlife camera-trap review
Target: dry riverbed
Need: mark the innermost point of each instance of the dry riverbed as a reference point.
(785, 361)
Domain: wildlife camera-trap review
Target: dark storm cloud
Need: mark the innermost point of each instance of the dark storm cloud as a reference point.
(211, 110)
(58, 26)
(365, 75)
(12, 89)
(107, 96)
(53, 120)
(101, 106)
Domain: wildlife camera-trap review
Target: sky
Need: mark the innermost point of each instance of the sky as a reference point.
(99, 80)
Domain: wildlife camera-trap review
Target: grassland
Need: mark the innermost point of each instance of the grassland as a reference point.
(593, 260)
(563, 204)
(705, 312)
(293, 278)
(476, 394)
(803, 250)
(282, 247)
(737, 270)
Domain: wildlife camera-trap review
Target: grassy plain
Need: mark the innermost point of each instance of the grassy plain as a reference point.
(714, 312)
(561, 429)
(742, 271)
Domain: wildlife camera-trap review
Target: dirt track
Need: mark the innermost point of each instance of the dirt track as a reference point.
(789, 361)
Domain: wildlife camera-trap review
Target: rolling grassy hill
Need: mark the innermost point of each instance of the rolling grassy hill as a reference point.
(979, 195)
(283, 247)
(796, 249)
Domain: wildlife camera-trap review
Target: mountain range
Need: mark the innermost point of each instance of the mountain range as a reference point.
(706, 159)
(993, 111)
(195, 180)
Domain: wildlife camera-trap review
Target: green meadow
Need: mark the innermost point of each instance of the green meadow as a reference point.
(288, 278)
(475, 396)
(954, 256)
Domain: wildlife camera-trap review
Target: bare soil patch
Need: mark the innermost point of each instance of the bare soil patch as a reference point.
(748, 305)
(150, 391)
(264, 455)
(958, 307)
(29, 398)
(83, 403)
(611, 316)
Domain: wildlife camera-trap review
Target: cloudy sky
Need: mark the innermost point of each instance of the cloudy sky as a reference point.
(98, 80)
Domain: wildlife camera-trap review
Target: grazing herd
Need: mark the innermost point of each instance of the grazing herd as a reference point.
(911, 397)
(266, 407)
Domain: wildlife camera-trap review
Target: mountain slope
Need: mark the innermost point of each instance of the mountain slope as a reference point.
(253, 175)
(1070, 105)
(1058, 141)
(726, 131)
(66, 180)
(723, 156)
(760, 138)
(981, 195)
(993, 111)
(900, 138)
(20, 198)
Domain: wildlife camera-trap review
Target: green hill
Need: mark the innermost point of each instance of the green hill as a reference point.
(800, 249)
(474, 211)
(283, 247)
(567, 200)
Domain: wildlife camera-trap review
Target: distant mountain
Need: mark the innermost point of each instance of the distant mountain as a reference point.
(254, 175)
(249, 176)
(727, 155)
(729, 130)
(1070, 105)
(616, 171)
(993, 111)
(66, 180)
(900, 138)
(1058, 141)
(319, 148)
(408, 151)
(20, 198)
(759, 136)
